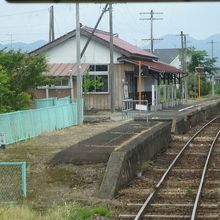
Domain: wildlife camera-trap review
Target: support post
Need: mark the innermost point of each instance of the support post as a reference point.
(153, 95)
(111, 74)
(199, 84)
(139, 82)
(165, 93)
(198, 72)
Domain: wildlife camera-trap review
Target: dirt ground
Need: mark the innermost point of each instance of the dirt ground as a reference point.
(57, 185)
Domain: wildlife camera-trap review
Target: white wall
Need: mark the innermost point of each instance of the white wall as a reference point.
(147, 82)
(66, 52)
(176, 62)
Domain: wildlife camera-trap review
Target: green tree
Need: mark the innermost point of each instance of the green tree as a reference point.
(5, 92)
(89, 84)
(20, 74)
(200, 58)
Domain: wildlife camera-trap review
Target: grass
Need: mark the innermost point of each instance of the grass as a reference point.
(202, 98)
(68, 212)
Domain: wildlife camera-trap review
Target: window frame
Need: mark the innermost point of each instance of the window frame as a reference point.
(99, 73)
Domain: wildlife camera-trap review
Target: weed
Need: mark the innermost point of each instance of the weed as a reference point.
(189, 190)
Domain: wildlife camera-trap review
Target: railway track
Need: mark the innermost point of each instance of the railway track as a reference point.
(186, 181)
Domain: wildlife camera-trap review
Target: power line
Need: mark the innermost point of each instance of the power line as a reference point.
(152, 13)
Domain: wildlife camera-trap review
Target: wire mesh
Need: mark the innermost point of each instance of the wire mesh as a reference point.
(11, 182)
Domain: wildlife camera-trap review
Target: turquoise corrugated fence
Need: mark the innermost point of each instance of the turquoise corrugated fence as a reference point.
(62, 101)
(22, 125)
(42, 103)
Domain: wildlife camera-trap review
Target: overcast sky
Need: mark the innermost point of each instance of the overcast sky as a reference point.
(29, 22)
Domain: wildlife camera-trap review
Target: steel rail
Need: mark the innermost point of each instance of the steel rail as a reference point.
(198, 195)
(151, 196)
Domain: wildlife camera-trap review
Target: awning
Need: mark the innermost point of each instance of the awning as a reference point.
(154, 65)
(63, 69)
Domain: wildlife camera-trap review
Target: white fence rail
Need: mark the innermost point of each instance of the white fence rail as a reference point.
(135, 109)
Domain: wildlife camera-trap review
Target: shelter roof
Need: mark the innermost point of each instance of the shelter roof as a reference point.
(64, 69)
(154, 65)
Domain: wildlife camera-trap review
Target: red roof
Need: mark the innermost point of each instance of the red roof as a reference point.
(154, 65)
(159, 66)
(63, 69)
(119, 43)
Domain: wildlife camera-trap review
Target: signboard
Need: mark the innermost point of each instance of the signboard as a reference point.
(200, 71)
(141, 107)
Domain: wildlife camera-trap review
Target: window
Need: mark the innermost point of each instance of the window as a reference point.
(101, 68)
(99, 72)
(62, 82)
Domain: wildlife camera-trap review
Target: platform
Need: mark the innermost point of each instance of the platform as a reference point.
(98, 148)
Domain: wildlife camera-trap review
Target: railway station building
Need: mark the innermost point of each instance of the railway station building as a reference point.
(137, 74)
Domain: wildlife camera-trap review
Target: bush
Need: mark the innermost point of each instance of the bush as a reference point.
(217, 89)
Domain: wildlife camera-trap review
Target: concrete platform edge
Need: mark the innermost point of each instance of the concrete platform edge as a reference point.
(124, 164)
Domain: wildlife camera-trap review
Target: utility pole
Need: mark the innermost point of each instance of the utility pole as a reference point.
(152, 39)
(212, 56)
(51, 24)
(212, 48)
(184, 86)
(111, 70)
(183, 50)
(185, 44)
(79, 77)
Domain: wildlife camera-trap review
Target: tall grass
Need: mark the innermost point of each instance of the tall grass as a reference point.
(68, 212)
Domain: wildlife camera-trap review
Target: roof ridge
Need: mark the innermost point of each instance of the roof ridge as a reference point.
(87, 28)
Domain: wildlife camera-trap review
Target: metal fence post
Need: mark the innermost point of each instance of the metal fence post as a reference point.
(24, 179)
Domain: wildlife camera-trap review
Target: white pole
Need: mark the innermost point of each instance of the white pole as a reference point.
(79, 77)
(153, 95)
(172, 95)
(71, 85)
(213, 85)
(47, 92)
(165, 93)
